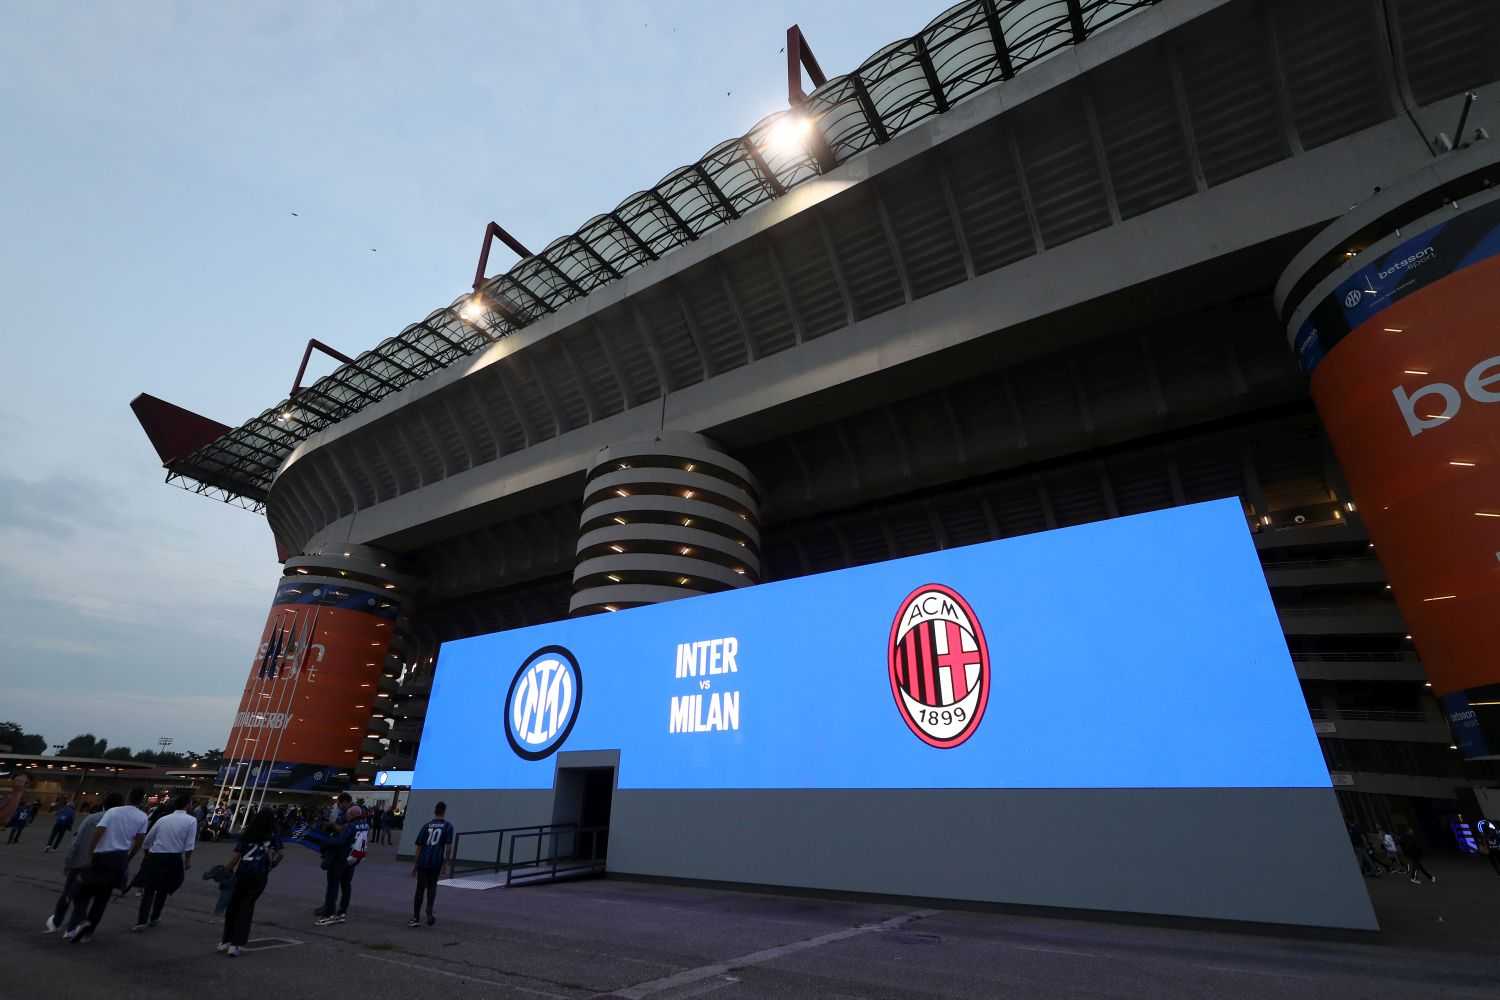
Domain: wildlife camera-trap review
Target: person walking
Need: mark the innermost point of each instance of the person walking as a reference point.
(1411, 847)
(1367, 863)
(62, 822)
(19, 820)
(115, 841)
(162, 809)
(256, 853)
(345, 852)
(76, 861)
(431, 845)
(1391, 851)
(169, 856)
(377, 822)
(14, 798)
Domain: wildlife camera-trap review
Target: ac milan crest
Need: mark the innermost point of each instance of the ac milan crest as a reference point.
(939, 666)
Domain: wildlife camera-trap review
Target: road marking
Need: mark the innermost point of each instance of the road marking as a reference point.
(707, 988)
(654, 986)
(1059, 951)
(269, 943)
(460, 975)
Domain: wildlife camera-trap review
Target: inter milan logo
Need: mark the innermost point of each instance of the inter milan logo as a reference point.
(542, 703)
(939, 666)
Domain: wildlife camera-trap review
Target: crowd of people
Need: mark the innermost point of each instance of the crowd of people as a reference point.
(111, 832)
(1385, 853)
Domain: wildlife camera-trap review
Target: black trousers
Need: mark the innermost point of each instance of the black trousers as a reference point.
(1415, 863)
(241, 912)
(427, 880)
(60, 911)
(103, 878)
(59, 831)
(15, 834)
(160, 876)
(340, 886)
(1495, 859)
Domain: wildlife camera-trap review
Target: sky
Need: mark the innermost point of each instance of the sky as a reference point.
(154, 153)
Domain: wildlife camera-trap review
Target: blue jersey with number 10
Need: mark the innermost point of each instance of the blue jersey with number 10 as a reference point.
(432, 841)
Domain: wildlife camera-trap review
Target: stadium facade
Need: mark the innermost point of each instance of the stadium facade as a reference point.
(1017, 274)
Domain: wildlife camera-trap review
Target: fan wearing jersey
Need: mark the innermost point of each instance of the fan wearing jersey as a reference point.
(345, 851)
(432, 845)
(258, 851)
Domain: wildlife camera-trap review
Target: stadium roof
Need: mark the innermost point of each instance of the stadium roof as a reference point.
(972, 45)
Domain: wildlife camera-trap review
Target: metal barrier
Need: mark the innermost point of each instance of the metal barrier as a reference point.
(539, 869)
(596, 838)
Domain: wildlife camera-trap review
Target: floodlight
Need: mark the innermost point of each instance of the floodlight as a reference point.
(788, 137)
(472, 310)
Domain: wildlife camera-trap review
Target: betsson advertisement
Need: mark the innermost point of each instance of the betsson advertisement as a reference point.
(1139, 652)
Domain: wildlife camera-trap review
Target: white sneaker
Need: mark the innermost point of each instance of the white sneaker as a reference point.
(137, 928)
(51, 924)
(233, 951)
(329, 921)
(222, 946)
(77, 933)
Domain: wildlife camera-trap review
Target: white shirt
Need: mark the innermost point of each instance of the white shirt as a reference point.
(121, 825)
(175, 833)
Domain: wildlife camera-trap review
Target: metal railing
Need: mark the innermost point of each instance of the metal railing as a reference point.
(537, 866)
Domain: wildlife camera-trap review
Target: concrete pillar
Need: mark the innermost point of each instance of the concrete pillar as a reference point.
(1393, 315)
(664, 517)
(315, 711)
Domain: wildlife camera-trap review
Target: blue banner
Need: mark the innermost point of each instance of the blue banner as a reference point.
(1136, 652)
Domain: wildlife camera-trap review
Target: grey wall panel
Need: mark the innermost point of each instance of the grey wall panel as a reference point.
(1273, 855)
(1277, 855)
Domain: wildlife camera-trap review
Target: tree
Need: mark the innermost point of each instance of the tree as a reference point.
(208, 760)
(163, 758)
(85, 746)
(20, 741)
(116, 753)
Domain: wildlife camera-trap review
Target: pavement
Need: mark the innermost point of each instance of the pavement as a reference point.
(628, 939)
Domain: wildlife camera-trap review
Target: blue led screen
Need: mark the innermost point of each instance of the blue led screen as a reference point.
(1141, 651)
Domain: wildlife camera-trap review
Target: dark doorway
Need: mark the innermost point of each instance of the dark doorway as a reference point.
(583, 796)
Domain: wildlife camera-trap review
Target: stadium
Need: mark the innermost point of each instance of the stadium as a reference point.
(1018, 272)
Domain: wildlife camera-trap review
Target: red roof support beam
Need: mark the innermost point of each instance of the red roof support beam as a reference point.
(491, 232)
(307, 353)
(799, 56)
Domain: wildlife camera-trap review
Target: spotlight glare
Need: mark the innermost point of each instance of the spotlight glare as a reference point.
(788, 137)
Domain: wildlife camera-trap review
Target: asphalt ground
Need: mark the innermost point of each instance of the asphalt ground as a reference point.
(618, 938)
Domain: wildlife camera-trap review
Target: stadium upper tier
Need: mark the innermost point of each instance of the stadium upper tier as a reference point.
(970, 46)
